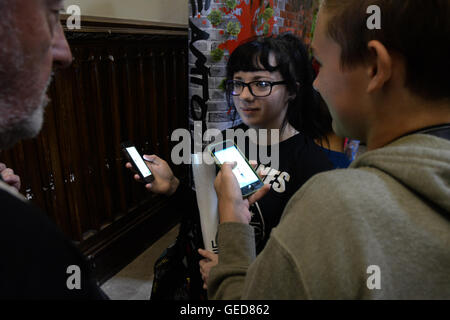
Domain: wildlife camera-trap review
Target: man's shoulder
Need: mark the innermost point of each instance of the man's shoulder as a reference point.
(14, 207)
(36, 255)
(25, 226)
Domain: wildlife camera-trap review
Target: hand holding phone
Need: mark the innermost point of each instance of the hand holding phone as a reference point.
(232, 206)
(248, 179)
(137, 162)
(164, 181)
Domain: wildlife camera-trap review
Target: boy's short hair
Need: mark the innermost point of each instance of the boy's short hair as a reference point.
(419, 30)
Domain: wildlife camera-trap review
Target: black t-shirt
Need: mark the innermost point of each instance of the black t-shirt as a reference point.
(37, 261)
(299, 159)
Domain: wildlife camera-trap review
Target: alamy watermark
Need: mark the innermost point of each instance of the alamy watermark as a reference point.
(374, 280)
(74, 280)
(258, 148)
(374, 21)
(73, 22)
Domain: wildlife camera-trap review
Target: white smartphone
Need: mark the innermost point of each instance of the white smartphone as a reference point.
(137, 161)
(227, 151)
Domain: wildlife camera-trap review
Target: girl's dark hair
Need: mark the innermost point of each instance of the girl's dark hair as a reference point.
(294, 65)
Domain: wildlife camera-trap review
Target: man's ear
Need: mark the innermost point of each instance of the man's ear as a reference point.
(380, 66)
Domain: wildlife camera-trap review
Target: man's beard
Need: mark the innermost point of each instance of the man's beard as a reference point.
(27, 126)
(22, 102)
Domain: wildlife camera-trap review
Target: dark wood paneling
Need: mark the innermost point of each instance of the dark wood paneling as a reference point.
(120, 87)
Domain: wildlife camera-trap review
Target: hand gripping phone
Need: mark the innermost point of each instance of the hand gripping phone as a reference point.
(137, 162)
(227, 151)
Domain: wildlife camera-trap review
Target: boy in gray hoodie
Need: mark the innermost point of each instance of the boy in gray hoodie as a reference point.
(381, 229)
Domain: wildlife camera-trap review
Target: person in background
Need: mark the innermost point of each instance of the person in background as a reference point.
(333, 146)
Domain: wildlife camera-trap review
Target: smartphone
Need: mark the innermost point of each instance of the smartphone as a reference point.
(227, 151)
(137, 162)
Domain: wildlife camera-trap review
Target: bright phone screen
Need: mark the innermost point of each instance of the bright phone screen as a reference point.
(242, 171)
(139, 161)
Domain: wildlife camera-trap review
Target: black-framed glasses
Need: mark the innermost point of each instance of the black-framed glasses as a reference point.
(258, 88)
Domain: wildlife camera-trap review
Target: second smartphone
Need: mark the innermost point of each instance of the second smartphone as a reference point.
(137, 162)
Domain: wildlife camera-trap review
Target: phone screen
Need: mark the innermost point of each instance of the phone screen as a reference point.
(243, 172)
(134, 154)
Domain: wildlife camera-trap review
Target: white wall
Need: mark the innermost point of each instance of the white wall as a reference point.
(168, 11)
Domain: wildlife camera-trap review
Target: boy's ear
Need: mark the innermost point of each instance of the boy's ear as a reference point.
(380, 66)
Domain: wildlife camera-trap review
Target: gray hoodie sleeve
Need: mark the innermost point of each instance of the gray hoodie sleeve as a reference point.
(236, 252)
(273, 275)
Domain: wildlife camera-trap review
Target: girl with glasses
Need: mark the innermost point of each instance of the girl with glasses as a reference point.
(269, 84)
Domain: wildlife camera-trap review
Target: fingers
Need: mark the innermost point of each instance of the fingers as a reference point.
(259, 194)
(7, 173)
(207, 254)
(229, 166)
(226, 170)
(262, 173)
(204, 274)
(202, 264)
(136, 177)
(259, 172)
(129, 166)
(203, 269)
(10, 178)
(2, 166)
(151, 158)
(203, 253)
(14, 181)
(206, 265)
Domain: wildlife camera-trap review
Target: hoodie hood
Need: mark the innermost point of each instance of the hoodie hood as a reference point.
(420, 162)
